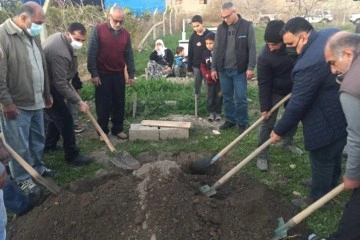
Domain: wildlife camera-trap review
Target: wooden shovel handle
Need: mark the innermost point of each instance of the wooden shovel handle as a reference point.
(98, 128)
(316, 205)
(254, 125)
(46, 182)
(233, 171)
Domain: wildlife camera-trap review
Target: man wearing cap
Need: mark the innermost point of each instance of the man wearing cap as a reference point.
(274, 80)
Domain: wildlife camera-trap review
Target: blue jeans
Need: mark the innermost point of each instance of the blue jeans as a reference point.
(232, 83)
(326, 167)
(26, 136)
(3, 217)
(14, 199)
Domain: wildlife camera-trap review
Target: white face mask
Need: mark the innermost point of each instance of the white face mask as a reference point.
(76, 45)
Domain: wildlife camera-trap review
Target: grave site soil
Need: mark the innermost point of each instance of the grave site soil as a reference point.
(159, 201)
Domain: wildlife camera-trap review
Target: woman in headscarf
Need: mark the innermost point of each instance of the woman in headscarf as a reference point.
(161, 61)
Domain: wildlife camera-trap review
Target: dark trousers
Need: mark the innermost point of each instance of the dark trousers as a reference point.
(326, 167)
(349, 225)
(61, 124)
(110, 101)
(214, 98)
(268, 125)
(14, 199)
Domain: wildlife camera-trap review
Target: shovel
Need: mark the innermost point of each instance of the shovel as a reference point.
(210, 191)
(49, 184)
(123, 160)
(281, 231)
(200, 166)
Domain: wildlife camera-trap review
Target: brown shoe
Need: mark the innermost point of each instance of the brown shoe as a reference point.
(121, 135)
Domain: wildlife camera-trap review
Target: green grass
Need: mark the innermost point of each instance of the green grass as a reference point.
(152, 95)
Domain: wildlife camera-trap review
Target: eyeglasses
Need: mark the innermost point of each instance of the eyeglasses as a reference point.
(227, 16)
(117, 21)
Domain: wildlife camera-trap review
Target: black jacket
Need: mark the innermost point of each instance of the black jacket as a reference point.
(245, 46)
(273, 75)
(315, 96)
(168, 59)
(196, 48)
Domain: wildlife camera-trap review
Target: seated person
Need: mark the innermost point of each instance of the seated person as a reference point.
(180, 62)
(161, 61)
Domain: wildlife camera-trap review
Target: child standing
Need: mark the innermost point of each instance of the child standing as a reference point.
(195, 51)
(180, 62)
(214, 99)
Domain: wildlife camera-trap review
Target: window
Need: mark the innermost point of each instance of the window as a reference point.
(202, 1)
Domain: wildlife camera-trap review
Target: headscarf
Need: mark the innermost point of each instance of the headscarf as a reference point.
(161, 52)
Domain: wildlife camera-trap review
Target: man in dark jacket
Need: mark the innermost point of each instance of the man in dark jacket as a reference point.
(274, 80)
(62, 63)
(315, 102)
(234, 56)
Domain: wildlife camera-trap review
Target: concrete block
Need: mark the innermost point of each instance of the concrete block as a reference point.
(173, 133)
(137, 131)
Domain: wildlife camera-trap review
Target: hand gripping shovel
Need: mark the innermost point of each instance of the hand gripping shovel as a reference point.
(210, 191)
(49, 184)
(201, 165)
(281, 231)
(123, 160)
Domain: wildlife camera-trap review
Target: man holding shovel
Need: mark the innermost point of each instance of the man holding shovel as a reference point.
(274, 80)
(342, 53)
(314, 101)
(60, 49)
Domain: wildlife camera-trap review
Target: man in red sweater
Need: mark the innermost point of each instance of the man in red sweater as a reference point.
(109, 51)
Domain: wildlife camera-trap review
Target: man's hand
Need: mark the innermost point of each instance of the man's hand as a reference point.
(351, 184)
(96, 81)
(10, 111)
(49, 102)
(265, 115)
(214, 75)
(274, 137)
(190, 74)
(83, 107)
(249, 74)
(130, 82)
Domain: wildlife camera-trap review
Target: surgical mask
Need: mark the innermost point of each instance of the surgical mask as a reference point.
(291, 51)
(35, 29)
(76, 45)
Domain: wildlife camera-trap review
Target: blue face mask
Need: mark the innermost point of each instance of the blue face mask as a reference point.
(35, 29)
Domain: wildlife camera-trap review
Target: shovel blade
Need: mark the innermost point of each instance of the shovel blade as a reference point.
(281, 231)
(207, 190)
(125, 161)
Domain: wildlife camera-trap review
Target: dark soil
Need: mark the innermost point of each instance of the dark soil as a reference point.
(158, 202)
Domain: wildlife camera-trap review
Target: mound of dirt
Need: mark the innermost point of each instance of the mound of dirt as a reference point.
(157, 202)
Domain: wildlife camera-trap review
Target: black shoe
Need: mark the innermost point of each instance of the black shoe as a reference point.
(53, 149)
(227, 125)
(241, 128)
(49, 172)
(80, 160)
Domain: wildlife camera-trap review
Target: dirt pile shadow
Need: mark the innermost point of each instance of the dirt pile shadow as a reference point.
(158, 202)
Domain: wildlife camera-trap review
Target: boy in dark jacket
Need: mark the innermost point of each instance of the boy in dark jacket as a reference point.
(214, 100)
(274, 80)
(195, 51)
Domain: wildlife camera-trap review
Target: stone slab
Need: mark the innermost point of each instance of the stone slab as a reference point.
(138, 131)
(173, 133)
